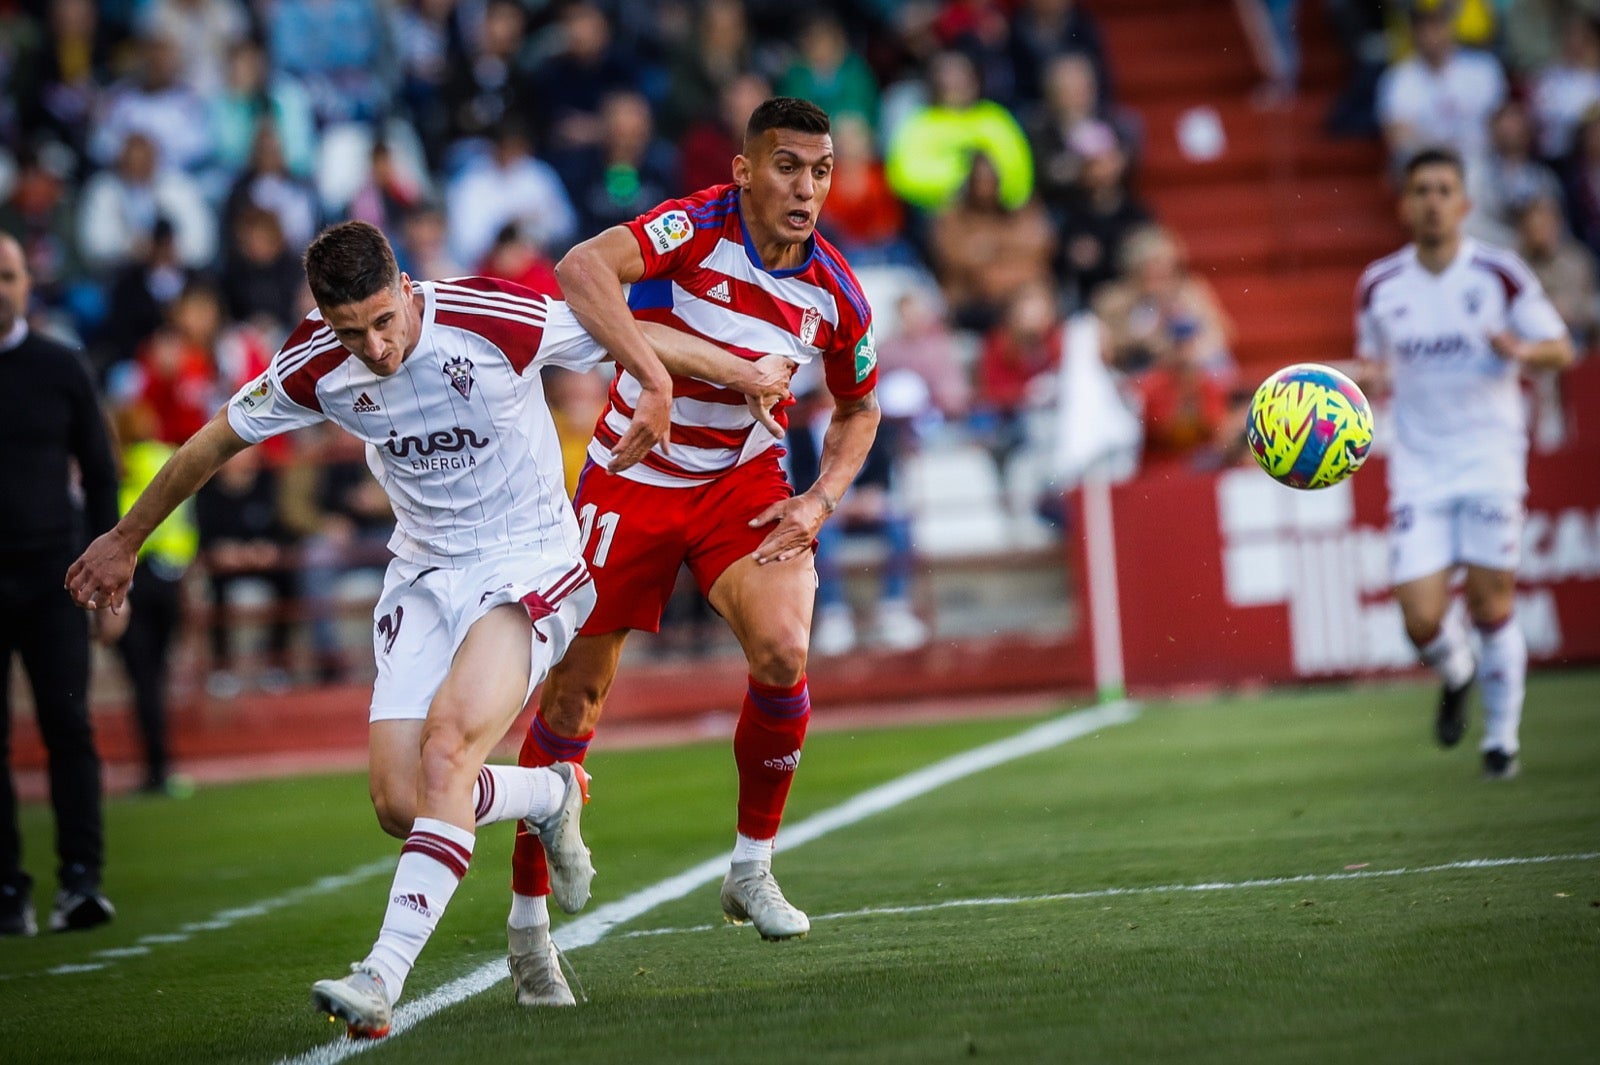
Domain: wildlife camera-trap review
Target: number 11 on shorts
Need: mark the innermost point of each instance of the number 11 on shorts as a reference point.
(608, 531)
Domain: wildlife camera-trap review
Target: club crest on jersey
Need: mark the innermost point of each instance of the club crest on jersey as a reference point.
(808, 325)
(1473, 298)
(669, 230)
(257, 398)
(459, 370)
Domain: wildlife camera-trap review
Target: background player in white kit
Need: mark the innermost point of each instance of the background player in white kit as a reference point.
(1449, 323)
(488, 586)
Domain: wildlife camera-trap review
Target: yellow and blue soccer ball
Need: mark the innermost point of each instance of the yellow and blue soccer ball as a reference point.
(1309, 426)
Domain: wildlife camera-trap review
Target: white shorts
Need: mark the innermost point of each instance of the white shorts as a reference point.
(425, 612)
(1478, 531)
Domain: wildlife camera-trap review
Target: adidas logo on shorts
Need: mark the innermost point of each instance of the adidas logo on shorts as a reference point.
(788, 763)
(365, 405)
(720, 292)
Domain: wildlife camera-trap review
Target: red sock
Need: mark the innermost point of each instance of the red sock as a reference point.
(541, 746)
(766, 747)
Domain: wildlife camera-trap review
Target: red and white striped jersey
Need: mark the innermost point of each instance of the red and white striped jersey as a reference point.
(459, 436)
(703, 276)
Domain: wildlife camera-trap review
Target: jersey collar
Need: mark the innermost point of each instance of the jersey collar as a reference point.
(428, 309)
(17, 334)
(755, 258)
(1464, 254)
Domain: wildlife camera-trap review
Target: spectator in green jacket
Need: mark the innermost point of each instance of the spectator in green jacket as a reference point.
(931, 154)
(830, 74)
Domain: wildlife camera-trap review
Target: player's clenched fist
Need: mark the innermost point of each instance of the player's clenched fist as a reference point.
(767, 388)
(101, 575)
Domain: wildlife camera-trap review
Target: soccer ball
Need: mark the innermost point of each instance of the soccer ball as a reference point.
(1310, 426)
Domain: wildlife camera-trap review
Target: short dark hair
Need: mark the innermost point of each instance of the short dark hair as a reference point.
(1436, 156)
(786, 112)
(349, 262)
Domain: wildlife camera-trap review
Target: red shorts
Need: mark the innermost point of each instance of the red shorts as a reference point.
(639, 535)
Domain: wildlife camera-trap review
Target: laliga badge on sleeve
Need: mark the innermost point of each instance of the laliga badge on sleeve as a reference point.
(669, 230)
(258, 397)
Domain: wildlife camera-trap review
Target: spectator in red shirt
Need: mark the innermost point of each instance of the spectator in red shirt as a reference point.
(708, 145)
(516, 258)
(1023, 349)
(175, 380)
(1187, 411)
(864, 218)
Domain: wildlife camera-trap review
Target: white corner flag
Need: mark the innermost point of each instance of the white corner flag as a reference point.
(1094, 422)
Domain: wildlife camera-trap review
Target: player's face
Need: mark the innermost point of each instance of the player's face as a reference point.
(380, 330)
(13, 283)
(1434, 203)
(786, 177)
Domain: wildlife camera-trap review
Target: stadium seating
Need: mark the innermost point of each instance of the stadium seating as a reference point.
(1283, 219)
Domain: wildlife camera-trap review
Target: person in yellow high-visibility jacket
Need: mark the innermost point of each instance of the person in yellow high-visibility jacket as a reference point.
(931, 153)
(156, 599)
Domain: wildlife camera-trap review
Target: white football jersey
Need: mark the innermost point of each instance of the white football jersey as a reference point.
(1459, 424)
(459, 437)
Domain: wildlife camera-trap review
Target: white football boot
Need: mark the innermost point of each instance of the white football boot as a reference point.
(359, 1000)
(749, 893)
(535, 966)
(571, 867)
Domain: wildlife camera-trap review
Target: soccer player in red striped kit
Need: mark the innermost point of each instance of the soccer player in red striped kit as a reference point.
(742, 266)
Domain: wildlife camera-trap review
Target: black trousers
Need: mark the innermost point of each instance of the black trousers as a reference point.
(146, 648)
(39, 621)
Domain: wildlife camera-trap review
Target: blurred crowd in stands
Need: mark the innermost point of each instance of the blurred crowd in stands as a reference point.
(165, 162)
(1515, 88)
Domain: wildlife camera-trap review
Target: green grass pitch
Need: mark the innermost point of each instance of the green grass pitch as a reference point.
(226, 913)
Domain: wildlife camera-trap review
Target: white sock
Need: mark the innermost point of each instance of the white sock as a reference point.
(1450, 655)
(746, 849)
(432, 863)
(1503, 675)
(528, 911)
(511, 793)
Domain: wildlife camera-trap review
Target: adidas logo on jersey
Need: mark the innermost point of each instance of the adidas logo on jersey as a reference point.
(788, 763)
(365, 405)
(720, 292)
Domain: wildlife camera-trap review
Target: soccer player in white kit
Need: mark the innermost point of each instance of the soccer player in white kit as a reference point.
(1449, 324)
(488, 586)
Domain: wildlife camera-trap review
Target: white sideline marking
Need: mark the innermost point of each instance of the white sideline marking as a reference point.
(223, 919)
(122, 952)
(1153, 889)
(593, 926)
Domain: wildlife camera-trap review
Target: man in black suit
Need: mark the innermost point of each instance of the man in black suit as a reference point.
(49, 418)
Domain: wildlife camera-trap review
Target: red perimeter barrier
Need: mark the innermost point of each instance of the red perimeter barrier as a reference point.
(1229, 577)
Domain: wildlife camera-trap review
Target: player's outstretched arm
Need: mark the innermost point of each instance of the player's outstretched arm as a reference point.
(101, 575)
(765, 381)
(592, 275)
(844, 449)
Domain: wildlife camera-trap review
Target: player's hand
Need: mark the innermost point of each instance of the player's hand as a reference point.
(766, 388)
(798, 519)
(651, 426)
(107, 626)
(1508, 347)
(99, 579)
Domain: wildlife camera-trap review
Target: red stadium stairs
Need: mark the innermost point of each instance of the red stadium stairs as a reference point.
(1283, 218)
